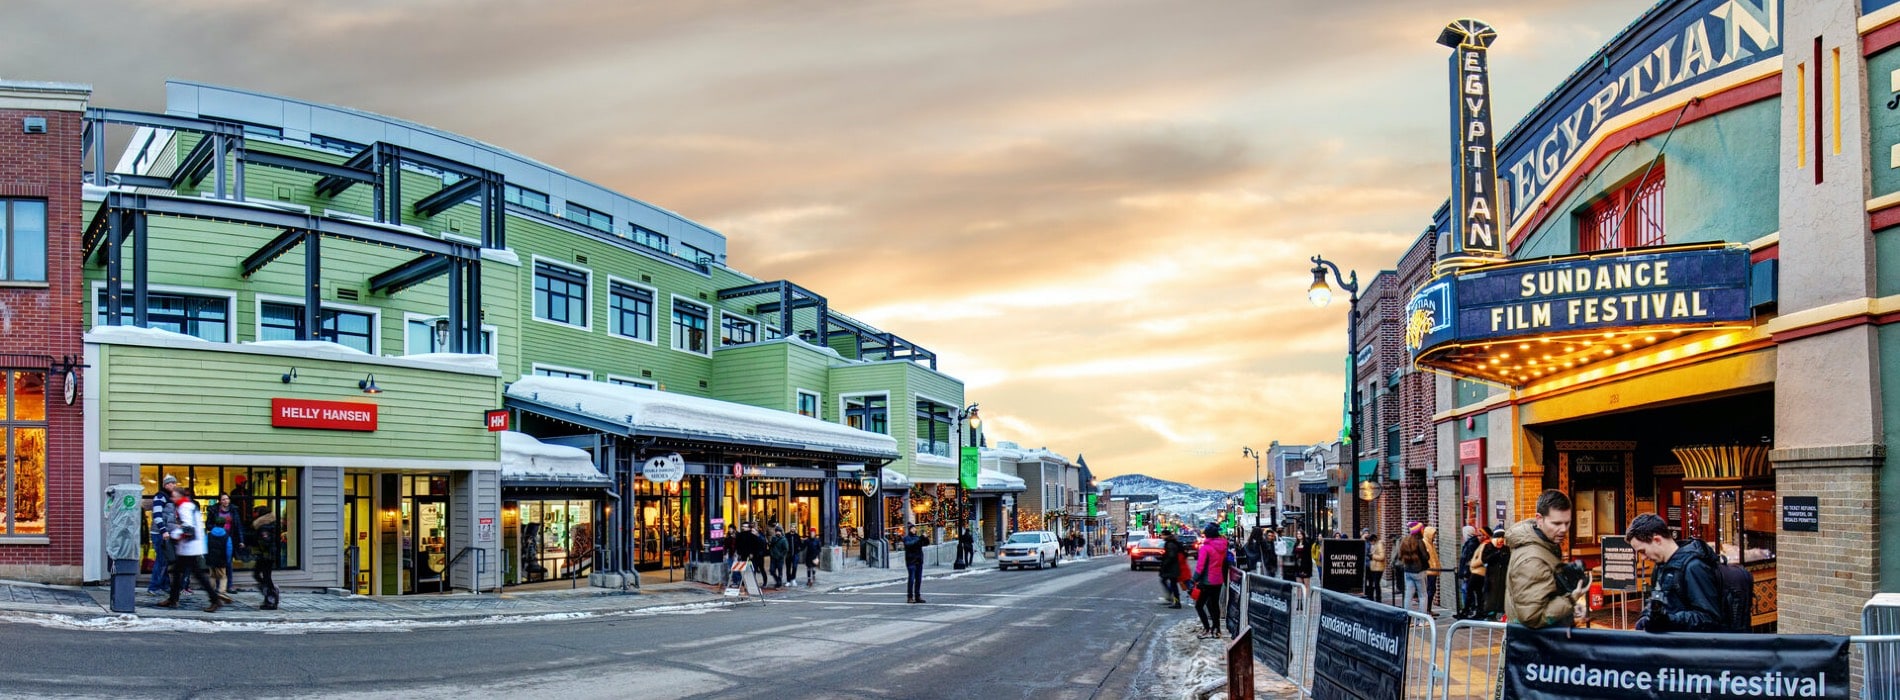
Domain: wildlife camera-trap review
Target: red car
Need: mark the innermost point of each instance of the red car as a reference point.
(1145, 553)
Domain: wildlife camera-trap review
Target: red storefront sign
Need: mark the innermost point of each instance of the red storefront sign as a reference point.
(1471, 451)
(497, 420)
(322, 415)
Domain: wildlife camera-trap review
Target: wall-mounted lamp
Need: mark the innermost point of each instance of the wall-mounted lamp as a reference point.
(292, 374)
(442, 332)
(368, 385)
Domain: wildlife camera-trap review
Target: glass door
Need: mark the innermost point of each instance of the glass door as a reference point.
(426, 529)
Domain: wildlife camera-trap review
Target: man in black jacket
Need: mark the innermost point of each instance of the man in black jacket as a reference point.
(1173, 556)
(914, 545)
(1686, 595)
(750, 547)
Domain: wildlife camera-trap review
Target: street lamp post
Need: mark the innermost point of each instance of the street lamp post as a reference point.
(1258, 502)
(965, 416)
(1321, 294)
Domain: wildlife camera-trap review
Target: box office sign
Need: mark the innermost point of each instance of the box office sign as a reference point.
(322, 415)
(1692, 287)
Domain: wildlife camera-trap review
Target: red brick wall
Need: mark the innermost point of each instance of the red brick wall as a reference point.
(46, 320)
(1416, 401)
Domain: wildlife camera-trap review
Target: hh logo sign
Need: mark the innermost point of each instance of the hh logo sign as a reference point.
(322, 415)
(497, 420)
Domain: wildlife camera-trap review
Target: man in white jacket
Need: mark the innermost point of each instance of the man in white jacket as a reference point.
(188, 535)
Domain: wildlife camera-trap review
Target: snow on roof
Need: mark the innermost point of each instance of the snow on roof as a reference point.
(527, 459)
(501, 255)
(134, 334)
(312, 345)
(892, 478)
(998, 481)
(458, 359)
(1011, 453)
(1005, 454)
(925, 459)
(661, 410)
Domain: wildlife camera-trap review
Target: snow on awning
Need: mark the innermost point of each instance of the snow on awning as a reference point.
(652, 412)
(890, 481)
(987, 480)
(527, 461)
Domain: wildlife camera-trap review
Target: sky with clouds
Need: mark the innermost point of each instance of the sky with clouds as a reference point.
(1097, 212)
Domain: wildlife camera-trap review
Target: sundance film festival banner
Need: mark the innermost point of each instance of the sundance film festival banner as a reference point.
(1359, 653)
(1584, 663)
(1270, 616)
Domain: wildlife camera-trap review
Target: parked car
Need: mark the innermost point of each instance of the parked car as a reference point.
(1036, 547)
(1190, 541)
(1145, 553)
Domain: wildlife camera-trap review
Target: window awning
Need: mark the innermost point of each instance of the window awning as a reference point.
(530, 463)
(631, 411)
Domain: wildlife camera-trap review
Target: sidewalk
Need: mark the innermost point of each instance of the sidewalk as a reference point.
(88, 606)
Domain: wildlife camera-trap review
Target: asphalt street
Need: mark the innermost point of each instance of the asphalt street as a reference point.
(1079, 631)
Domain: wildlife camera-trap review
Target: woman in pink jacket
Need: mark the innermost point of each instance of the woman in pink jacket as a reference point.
(1210, 573)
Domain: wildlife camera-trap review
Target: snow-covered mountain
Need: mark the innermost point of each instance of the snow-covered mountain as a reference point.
(1191, 503)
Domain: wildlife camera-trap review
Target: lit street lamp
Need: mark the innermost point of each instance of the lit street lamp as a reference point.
(1321, 294)
(965, 416)
(1257, 500)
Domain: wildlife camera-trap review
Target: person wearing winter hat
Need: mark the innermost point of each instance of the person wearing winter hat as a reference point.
(1413, 561)
(163, 513)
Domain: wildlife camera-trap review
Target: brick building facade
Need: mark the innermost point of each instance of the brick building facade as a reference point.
(42, 523)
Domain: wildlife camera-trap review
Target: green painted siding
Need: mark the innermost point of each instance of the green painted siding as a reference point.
(229, 394)
(753, 375)
(1890, 487)
(1722, 180)
(1883, 125)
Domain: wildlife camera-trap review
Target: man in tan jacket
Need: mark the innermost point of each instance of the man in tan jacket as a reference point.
(1534, 597)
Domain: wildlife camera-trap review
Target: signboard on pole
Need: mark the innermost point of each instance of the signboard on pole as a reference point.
(1616, 665)
(1360, 650)
(1619, 564)
(1270, 619)
(1343, 565)
(1250, 494)
(666, 469)
(971, 459)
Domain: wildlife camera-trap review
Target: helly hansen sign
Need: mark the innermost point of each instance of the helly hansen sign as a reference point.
(322, 415)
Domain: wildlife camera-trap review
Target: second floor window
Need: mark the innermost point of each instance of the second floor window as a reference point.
(22, 240)
(693, 254)
(279, 321)
(560, 294)
(868, 413)
(526, 198)
(737, 331)
(632, 311)
(807, 404)
(689, 327)
(559, 373)
(648, 238)
(591, 218)
(1630, 216)
(204, 317)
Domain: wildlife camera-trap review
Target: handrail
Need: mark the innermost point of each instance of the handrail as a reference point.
(481, 567)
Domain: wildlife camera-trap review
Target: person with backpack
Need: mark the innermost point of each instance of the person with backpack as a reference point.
(1413, 561)
(1687, 593)
(1173, 559)
(1739, 587)
(162, 515)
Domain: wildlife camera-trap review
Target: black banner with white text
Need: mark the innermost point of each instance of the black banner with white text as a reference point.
(1359, 652)
(1615, 665)
(1270, 616)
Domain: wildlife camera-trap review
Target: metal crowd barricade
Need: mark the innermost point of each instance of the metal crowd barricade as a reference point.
(1421, 652)
(1469, 666)
(1879, 647)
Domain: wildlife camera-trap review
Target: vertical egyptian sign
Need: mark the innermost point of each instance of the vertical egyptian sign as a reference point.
(1475, 219)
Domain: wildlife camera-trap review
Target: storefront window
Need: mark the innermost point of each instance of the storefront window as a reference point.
(250, 488)
(1734, 521)
(557, 539)
(23, 446)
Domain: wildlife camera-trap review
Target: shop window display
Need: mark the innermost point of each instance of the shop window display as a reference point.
(557, 539)
(249, 487)
(23, 449)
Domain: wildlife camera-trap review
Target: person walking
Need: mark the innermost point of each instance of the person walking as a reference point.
(265, 543)
(223, 524)
(163, 512)
(1687, 594)
(1173, 558)
(914, 545)
(966, 548)
(752, 549)
(188, 538)
(1433, 568)
(814, 547)
(1375, 565)
(1210, 575)
(778, 549)
(1412, 563)
(795, 551)
(1472, 563)
(1536, 596)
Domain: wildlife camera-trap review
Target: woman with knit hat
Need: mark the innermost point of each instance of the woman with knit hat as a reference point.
(1413, 560)
(1210, 575)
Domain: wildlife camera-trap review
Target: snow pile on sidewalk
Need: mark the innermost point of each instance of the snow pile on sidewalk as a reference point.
(1179, 666)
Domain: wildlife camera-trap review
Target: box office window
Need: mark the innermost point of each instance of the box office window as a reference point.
(23, 445)
(253, 490)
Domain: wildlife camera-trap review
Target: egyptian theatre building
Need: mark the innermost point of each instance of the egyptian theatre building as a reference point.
(1671, 288)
